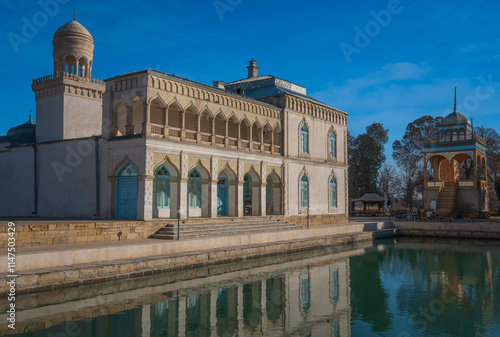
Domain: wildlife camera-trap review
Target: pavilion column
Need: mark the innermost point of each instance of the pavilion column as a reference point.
(183, 125)
(262, 140)
(129, 128)
(272, 142)
(476, 178)
(213, 131)
(165, 126)
(146, 125)
(226, 138)
(238, 142)
(198, 129)
(250, 140)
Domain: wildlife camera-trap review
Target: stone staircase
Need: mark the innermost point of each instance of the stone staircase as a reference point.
(446, 198)
(221, 227)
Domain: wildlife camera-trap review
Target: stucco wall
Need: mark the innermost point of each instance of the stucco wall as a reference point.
(16, 182)
(319, 187)
(49, 118)
(67, 185)
(82, 117)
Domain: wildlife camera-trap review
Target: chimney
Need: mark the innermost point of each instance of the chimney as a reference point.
(253, 70)
(220, 85)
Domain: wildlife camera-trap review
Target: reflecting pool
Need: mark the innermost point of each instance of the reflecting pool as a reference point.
(403, 287)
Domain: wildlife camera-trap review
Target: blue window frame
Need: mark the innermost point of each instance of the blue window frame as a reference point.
(304, 139)
(195, 189)
(333, 192)
(162, 188)
(333, 145)
(304, 191)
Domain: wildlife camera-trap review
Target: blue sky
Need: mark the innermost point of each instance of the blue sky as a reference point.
(403, 57)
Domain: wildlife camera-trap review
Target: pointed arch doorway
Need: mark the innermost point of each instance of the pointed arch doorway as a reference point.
(126, 192)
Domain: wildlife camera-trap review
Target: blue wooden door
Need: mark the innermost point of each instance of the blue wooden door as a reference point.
(126, 201)
(222, 197)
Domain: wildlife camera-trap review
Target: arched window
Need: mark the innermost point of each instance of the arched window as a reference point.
(194, 189)
(304, 192)
(128, 170)
(304, 139)
(162, 188)
(333, 145)
(333, 192)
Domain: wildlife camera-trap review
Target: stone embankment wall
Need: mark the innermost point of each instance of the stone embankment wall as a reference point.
(47, 234)
(465, 230)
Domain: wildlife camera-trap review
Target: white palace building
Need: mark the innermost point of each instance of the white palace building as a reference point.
(146, 144)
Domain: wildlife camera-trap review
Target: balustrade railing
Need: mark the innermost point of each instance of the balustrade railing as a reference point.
(174, 132)
(157, 129)
(205, 137)
(256, 146)
(190, 135)
(232, 142)
(245, 144)
(267, 147)
(219, 140)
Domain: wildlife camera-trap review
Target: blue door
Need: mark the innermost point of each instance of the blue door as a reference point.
(126, 203)
(222, 197)
(126, 192)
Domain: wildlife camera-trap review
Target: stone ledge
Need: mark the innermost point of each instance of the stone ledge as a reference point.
(50, 278)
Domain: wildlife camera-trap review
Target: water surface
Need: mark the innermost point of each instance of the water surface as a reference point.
(388, 288)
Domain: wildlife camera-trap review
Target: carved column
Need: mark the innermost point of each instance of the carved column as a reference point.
(213, 187)
(239, 188)
(263, 175)
(183, 186)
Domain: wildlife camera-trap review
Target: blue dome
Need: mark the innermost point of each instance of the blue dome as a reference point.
(22, 134)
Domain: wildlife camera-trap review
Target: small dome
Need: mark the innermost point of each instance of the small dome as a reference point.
(72, 28)
(455, 118)
(22, 134)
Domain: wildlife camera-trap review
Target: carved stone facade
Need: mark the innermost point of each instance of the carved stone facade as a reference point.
(165, 144)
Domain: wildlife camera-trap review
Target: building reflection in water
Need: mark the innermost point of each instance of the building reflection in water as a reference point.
(313, 301)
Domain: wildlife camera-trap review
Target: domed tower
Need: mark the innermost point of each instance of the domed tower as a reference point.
(73, 50)
(455, 167)
(69, 102)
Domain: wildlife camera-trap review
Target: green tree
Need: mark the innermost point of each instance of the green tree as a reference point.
(408, 153)
(366, 156)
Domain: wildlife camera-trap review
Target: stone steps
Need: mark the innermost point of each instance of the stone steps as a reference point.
(222, 228)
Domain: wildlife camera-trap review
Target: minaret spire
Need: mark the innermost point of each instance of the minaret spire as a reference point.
(455, 105)
(74, 16)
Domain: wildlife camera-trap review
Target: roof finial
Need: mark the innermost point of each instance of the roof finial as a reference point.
(74, 16)
(455, 105)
